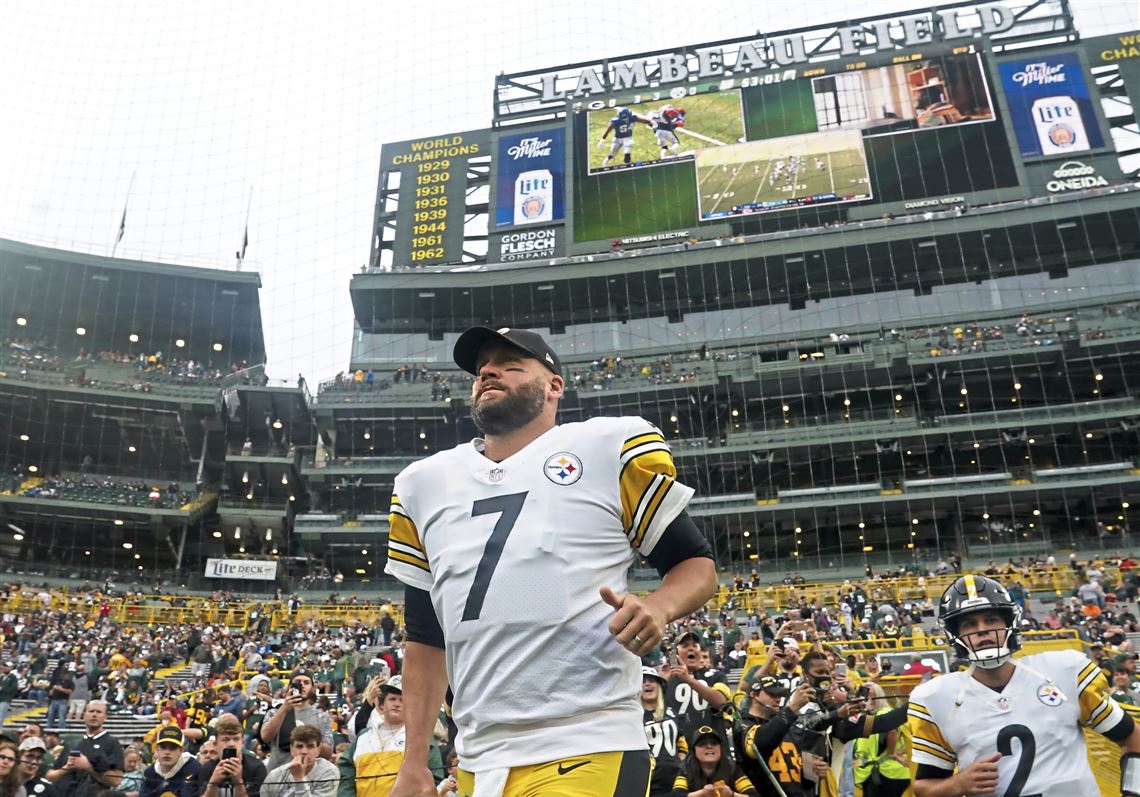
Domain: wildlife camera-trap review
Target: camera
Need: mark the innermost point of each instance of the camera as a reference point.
(822, 690)
(229, 752)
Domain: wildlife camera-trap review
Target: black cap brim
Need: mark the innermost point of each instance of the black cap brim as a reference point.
(471, 342)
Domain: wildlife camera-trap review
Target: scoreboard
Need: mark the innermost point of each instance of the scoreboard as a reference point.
(963, 103)
(430, 196)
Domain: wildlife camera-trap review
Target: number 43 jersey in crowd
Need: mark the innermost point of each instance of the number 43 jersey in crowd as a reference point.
(1035, 723)
(513, 554)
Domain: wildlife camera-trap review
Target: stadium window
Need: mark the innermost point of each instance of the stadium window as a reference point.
(840, 100)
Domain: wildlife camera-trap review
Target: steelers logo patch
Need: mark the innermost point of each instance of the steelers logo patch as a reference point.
(1050, 695)
(563, 468)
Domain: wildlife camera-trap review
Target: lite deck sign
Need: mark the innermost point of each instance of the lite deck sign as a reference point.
(247, 569)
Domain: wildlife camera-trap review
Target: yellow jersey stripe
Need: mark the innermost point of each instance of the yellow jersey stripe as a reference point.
(651, 512)
(403, 530)
(1084, 683)
(644, 448)
(638, 439)
(920, 710)
(407, 550)
(654, 460)
(409, 560)
(1100, 713)
(941, 749)
(642, 502)
(1089, 669)
(921, 745)
(396, 509)
(636, 478)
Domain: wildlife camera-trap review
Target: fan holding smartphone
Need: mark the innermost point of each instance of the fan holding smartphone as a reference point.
(298, 708)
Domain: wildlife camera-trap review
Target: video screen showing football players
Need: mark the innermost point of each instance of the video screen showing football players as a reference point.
(662, 131)
(782, 173)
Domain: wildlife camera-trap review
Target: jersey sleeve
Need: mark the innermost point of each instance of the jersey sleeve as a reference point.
(407, 558)
(927, 744)
(742, 784)
(651, 496)
(1098, 710)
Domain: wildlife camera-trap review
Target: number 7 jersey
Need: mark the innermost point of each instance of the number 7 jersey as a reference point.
(513, 554)
(1034, 722)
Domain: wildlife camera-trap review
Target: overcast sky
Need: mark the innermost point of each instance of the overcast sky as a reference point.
(204, 101)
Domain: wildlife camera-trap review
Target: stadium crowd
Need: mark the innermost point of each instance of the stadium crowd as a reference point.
(321, 705)
(100, 490)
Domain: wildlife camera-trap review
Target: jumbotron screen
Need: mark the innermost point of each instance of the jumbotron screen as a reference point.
(660, 132)
(854, 133)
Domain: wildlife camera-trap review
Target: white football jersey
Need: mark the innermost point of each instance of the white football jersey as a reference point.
(1035, 723)
(514, 553)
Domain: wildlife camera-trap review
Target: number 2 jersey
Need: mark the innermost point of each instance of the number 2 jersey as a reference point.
(513, 554)
(1034, 722)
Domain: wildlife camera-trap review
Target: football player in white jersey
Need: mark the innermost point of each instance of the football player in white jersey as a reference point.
(514, 550)
(1011, 727)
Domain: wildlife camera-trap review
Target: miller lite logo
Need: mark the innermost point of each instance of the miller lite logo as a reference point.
(534, 197)
(1059, 125)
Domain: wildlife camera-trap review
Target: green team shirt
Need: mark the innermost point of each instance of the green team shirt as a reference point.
(257, 708)
(1125, 697)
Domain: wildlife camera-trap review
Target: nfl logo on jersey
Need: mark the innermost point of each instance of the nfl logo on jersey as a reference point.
(495, 474)
(563, 468)
(1050, 695)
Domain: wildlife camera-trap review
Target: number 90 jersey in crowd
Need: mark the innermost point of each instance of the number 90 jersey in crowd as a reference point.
(957, 720)
(513, 554)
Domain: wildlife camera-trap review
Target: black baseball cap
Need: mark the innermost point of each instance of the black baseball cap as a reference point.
(694, 636)
(770, 685)
(170, 735)
(707, 730)
(472, 341)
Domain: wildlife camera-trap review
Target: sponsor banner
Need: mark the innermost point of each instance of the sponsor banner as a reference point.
(1058, 177)
(1050, 106)
(541, 244)
(659, 237)
(247, 569)
(935, 204)
(531, 168)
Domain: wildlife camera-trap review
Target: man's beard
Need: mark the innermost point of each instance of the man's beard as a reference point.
(513, 410)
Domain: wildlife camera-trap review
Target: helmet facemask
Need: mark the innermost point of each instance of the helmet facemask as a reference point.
(988, 658)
